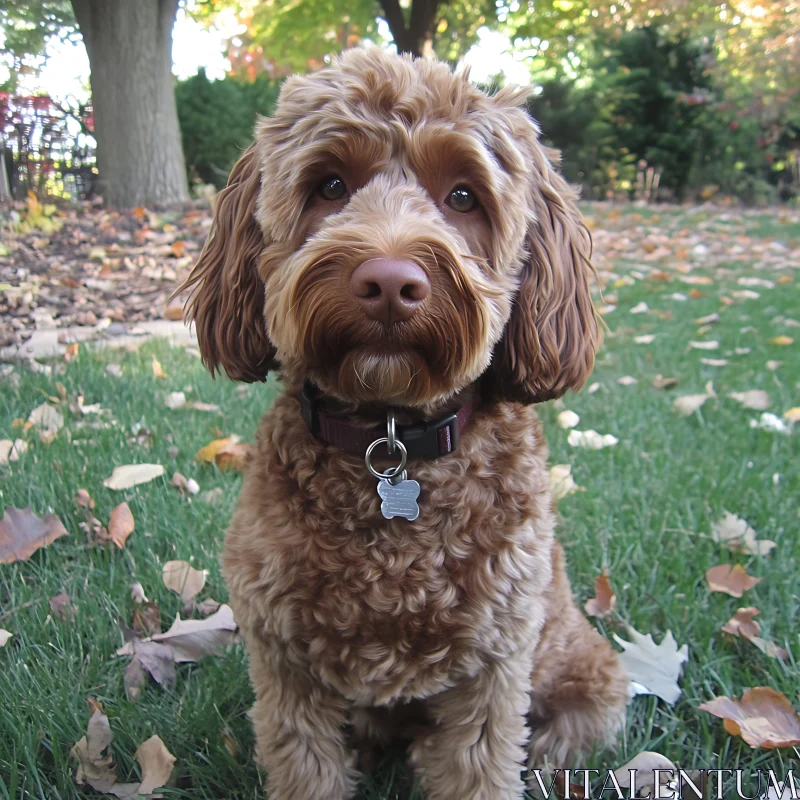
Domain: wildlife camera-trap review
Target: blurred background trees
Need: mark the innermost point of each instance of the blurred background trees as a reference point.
(667, 100)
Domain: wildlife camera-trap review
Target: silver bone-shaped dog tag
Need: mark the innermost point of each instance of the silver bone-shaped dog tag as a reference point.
(399, 499)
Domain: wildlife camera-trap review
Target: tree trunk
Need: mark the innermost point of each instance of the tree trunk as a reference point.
(139, 152)
(416, 38)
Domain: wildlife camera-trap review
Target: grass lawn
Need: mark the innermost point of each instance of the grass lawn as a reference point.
(645, 515)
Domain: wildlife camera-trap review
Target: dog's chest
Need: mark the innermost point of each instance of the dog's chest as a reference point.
(388, 609)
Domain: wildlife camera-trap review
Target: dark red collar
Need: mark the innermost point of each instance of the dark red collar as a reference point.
(426, 440)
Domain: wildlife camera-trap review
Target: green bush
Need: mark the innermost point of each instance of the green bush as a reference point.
(217, 120)
(645, 103)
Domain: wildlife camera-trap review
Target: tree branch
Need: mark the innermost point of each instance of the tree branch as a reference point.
(397, 24)
(83, 15)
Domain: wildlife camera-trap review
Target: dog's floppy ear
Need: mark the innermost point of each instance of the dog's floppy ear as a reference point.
(227, 299)
(551, 337)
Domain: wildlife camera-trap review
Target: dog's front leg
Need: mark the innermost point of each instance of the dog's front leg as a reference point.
(300, 740)
(476, 748)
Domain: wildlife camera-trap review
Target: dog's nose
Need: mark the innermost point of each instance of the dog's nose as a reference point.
(390, 289)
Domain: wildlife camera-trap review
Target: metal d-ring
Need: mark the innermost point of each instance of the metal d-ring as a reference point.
(394, 474)
(390, 431)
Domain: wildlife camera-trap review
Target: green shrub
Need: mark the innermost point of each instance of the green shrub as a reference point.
(217, 120)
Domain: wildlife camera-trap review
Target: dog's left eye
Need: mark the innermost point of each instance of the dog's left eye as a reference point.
(461, 199)
(333, 188)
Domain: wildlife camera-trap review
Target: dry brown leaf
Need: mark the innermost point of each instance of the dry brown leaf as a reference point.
(149, 658)
(184, 485)
(709, 345)
(743, 624)
(730, 580)
(644, 766)
(22, 533)
(131, 475)
(95, 769)
(156, 763)
(182, 578)
(605, 601)
(689, 403)
(61, 606)
(763, 718)
(71, 351)
(738, 535)
(120, 525)
(757, 399)
(177, 248)
(193, 639)
(199, 405)
(49, 419)
(158, 370)
(4, 637)
(146, 620)
(207, 607)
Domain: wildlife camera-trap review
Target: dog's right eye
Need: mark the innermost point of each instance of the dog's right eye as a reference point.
(333, 188)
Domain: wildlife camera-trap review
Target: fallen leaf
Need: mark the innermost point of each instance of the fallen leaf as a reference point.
(207, 607)
(769, 649)
(627, 380)
(641, 308)
(177, 248)
(561, 481)
(605, 601)
(146, 620)
(156, 763)
(568, 419)
(120, 525)
(132, 475)
(158, 370)
(61, 606)
(731, 580)
(11, 451)
(689, 403)
(175, 400)
(137, 593)
(763, 718)
(115, 370)
(738, 535)
(149, 658)
(653, 669)
(22, 533)
(4, 637)
(198, 405)
(709, 345)
(707, 320)
(660, 382)
(193, 639)
(757, 399)
(83, 499)
(746, 294)
(182, 578)
(48, 419)
(743, 624)
(646, 339)
(792, 415)
(782, 341)
(71, 351)
(94, 768)
(226, 453)
(714, 362)
(591, 440)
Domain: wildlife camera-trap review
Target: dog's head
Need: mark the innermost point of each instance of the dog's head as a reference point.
(393, 234)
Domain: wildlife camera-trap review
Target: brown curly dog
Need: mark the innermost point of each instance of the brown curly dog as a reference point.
(398, 242)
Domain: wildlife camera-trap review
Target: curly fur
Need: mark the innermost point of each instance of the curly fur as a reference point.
(457, 631)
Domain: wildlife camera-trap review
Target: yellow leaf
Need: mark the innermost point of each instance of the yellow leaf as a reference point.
(782, 341)
(208, 453)
(792, 415)
(158, 370)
